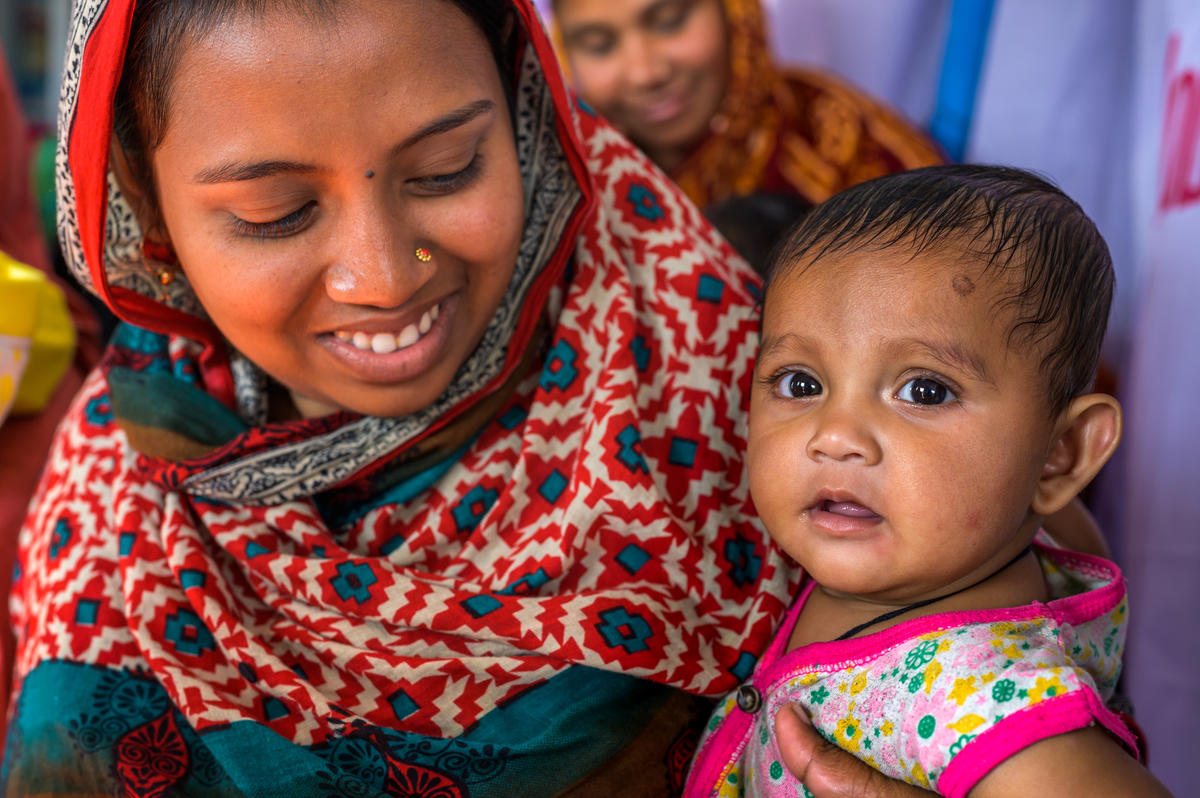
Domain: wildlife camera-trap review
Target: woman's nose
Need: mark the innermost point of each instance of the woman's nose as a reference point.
(843, 433)
(645, 65)
(379, 262)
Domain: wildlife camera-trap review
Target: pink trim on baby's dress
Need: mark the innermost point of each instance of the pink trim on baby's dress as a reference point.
(1022, 729)
(1072, 610)
(721, 751)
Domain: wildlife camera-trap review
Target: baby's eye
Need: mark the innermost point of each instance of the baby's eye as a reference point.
(797, 384)
(925, 391)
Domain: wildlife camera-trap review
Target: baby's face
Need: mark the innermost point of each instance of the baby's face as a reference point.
(895, 437)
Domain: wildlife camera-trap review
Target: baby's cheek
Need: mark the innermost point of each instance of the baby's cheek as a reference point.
(969, 507)
(973, 522)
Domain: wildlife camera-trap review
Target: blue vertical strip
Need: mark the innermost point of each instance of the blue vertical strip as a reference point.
(962, 63)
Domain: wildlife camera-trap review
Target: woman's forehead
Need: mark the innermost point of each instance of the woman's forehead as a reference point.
(345, 32)
(609, 11)
(252, 76)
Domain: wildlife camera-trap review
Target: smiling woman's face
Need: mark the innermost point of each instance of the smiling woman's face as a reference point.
(306, 163)
(657, 69)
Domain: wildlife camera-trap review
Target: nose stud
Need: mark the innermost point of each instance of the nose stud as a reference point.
(423, 255)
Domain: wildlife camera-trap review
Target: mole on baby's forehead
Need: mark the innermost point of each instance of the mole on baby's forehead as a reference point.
(962, 284)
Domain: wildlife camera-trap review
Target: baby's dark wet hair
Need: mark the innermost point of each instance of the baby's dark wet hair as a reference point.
(1012, 221)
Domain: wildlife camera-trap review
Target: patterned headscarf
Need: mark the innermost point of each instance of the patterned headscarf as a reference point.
(791, 130)
(348, 605)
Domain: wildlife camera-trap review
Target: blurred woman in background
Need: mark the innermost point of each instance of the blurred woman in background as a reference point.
(693, 84)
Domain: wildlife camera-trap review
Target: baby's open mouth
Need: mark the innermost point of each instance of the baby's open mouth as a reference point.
(851, 509)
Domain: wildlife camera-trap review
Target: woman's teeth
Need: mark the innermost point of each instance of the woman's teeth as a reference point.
(383, 343)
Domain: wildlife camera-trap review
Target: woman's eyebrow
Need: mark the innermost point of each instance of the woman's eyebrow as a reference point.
(232, 171)
(447, 122)
(235, 171)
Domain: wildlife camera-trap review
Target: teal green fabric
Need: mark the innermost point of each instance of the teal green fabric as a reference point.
(74, 715)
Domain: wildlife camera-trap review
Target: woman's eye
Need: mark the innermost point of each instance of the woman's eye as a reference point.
(594, 43)
(449, 183)
(797, 385)
(279, 228)
(925, 391)
(670, 17)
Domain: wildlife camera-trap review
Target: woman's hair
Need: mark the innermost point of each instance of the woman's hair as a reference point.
(755, 223)
(1012, 221)
(160, 30)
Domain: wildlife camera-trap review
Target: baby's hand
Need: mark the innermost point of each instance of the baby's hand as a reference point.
(826, 770)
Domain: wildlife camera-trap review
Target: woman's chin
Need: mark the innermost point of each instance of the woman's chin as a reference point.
(313, 408)
(372, 400)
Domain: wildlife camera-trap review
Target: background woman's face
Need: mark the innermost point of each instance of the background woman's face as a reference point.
(657, 69)
(306, 161)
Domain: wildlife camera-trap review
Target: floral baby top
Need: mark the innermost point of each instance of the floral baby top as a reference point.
(936, 701)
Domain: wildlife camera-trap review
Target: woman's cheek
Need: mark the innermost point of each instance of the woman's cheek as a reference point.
(484, 230)
(598, 82)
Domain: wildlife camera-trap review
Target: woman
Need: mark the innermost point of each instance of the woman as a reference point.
(692, 83)
(418, 468)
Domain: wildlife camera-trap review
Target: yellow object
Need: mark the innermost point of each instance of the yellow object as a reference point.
(37, 338)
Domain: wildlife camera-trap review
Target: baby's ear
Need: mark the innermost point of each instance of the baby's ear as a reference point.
(1086, 435)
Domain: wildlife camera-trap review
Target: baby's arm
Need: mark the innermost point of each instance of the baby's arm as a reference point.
(1086, 762)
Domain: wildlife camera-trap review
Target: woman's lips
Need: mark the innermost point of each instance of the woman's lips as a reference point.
(381, 343)
(843, 517)
(389, 356)
(664, 110)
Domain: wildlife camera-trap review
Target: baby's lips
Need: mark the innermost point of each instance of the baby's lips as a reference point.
(853, 509)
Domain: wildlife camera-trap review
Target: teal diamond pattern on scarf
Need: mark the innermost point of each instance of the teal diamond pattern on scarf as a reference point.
(86, 611)
(481, 605)
(710, 289)
(188, 633)
(353, 582)
(619, 627)
(468, 512)
(553, 486)
(630, 453)
(560, 370)
(632, 558)
(683, 452)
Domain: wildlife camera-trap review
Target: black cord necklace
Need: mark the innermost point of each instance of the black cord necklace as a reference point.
(887, 616)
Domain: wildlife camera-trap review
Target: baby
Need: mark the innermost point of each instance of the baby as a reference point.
(921, 403)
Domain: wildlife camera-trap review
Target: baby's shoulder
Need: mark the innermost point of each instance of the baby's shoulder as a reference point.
(917, 704)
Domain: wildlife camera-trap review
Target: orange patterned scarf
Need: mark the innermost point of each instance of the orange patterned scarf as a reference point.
(795, 131)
